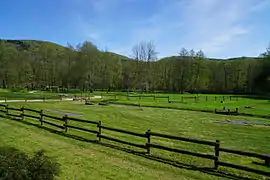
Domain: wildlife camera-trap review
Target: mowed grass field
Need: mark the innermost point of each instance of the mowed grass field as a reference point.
(85, 160)
(202, 101)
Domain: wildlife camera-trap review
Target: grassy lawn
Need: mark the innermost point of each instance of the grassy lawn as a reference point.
(202, 102)
(81, 160)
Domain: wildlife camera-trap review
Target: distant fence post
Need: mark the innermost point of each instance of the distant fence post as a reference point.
(5, 99)
(206, 98)
(169, 99)
(215, 98)
(148, 135)
(22, 114)
(99, 131)
(43, 98)
(65, 118)
(236, 110)
(217, 154)
(182, 98)
(41, 117)
(230, 98)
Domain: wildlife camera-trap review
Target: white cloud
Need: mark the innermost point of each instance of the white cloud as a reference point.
(210, 25)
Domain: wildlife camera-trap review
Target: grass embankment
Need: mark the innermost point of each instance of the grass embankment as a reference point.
(82, 160)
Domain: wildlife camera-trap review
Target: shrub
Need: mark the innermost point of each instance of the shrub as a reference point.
(16, 165)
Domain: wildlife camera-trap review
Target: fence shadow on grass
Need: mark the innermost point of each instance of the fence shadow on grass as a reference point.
(177, 164)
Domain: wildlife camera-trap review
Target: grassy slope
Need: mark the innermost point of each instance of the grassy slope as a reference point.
(183, 123)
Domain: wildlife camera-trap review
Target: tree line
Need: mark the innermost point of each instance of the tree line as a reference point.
(37, 65)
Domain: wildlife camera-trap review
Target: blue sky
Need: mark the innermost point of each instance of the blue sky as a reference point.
(220, 28)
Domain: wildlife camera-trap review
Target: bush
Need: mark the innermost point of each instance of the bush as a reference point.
(16, 165)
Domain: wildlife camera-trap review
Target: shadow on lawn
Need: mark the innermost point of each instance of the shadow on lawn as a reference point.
(177, 164)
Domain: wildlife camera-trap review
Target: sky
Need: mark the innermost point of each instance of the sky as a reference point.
(220, 28)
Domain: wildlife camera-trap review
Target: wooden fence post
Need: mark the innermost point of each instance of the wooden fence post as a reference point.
(215, 98)
(206, 98)
(65, 118)
(169, 99)
(43, 98)
(148, 135)
(236, 110)
(230, 98)
(182, 98)
(5, 99)
(99, 131)
(22, 113)
(223, 98)
(217, 154)
(41, 117)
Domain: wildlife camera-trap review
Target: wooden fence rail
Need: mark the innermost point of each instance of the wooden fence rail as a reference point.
(30, 116)
(14, 109)
(244, 168)
(82, 120)
(124, 131)
(53, 117)
(32, 110)
(210, 143)
(82, 129)
(3, 111)
(122, 141)
(249, 154)
(53, 124)
(207, 156)
(148, 135)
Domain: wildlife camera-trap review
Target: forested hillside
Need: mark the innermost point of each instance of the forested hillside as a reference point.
(37, 64)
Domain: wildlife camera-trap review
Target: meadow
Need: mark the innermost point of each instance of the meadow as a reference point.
(253, 105)
(81, 160)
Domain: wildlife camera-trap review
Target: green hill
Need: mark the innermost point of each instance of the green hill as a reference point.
(35, 64)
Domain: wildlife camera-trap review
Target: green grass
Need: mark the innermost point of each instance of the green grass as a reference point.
(81, 160)
(260, 106)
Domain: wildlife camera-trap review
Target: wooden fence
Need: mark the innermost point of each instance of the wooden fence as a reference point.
(180, 99)
(148, 136)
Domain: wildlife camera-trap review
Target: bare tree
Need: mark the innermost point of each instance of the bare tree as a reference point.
(144, 53)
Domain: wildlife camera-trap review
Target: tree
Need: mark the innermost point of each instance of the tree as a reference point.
(144, 53)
